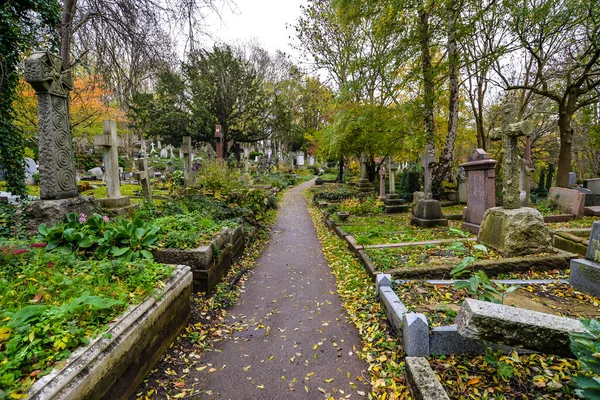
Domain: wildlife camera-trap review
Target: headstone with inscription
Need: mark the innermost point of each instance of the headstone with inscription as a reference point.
(481, 188)
(513, 230)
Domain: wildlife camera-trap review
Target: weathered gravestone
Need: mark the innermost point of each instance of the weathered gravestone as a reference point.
(393, 203)
(219, 142)
(109, 142)
(572, 179)
(592, 200)
(164, 153)
(427, 212)
(526, 174)
(512, 230)
(481, 188)
(30, 169)
(363, 183)
(585, 273)
(382, 173)
(144, 175)
(517, 327)
(58, 185)
(568, 200)
(188, 174)
(550, 177)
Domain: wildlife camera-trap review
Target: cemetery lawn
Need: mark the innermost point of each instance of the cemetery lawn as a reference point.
(456, 209)
(53, 303)
(441, 303)
(582, 222)
(425, 255)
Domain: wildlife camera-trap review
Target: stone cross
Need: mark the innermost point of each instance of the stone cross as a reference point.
(109, 143)
(52, 84)
(428, 161)
(187, 160)
(509, 134)
(144, 175)
(363, 166)
(392, 177)
(152, 148)
(171, 151)
(143, 147)
(219, 145)
(382, 173)
(525, 177)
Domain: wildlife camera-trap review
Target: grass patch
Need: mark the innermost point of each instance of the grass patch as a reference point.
(188, 231)
(583, 222)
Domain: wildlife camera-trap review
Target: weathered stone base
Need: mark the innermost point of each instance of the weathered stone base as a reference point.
(364, 186)
(516, 232)
(469, 226)
(585, 276)
(394, 204)
(517, 327)
(427, 213)
(117, 206)
(50, 212)
(428, 223)
(114, 364)
(572, 242)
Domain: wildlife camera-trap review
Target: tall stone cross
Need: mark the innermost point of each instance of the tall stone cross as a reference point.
(219, 144)
(363, 166)
(392, 178)
(144, 175)
(509, 133)
(52, 84)
(382, 173)
(110, 143)
(428, 161)
(187, 160)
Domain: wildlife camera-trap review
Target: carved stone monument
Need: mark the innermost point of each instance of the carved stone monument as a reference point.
(188, 174)
(481, 188)
(393, 202)
(363, 183)
(526, 174)
(512, 230)
(382, 173)
(144, 175)
(109, 142)
(58, 185)
(427, 212)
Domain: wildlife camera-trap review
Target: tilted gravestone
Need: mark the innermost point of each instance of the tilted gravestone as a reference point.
(481, 188)
(568, 200)
(145, 175)
(585, 273)
(52, 85)
(513, 230)
(109, 142)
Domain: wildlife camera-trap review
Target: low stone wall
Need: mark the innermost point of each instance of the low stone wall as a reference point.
(210, 262)
(115, 363)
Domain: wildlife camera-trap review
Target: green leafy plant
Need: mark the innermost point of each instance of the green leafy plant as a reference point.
(369, 205)
(586, 347)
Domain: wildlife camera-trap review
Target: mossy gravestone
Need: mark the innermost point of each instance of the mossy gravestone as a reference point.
(513, 230)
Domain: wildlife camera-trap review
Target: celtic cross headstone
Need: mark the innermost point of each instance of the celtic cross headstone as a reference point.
(52, 83)
(509, 133)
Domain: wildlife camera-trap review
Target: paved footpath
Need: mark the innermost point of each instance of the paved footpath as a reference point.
(296, 342)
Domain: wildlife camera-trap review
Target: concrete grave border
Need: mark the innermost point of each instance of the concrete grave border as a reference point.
(116, 362)
(209, 262)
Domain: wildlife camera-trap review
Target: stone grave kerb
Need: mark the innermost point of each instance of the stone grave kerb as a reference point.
(481, 188)
(52, 84)
(509, 132)
(187, 161)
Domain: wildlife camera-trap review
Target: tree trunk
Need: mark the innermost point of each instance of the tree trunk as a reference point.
(340, 176)
(566, 143)
(448, 153)
(428, 76)
(65, 32)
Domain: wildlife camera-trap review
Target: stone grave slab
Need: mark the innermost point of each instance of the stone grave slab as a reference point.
(569, 200)
(517, 327)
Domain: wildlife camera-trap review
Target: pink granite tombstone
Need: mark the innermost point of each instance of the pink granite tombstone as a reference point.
(568, 200)
(481, 188)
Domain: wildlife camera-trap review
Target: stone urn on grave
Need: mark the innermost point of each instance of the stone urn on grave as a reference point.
(513, 230)
(427, 212)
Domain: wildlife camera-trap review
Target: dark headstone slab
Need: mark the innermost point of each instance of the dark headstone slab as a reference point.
(481, 188)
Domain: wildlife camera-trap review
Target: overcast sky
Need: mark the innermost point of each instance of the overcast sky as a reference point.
(263, 20)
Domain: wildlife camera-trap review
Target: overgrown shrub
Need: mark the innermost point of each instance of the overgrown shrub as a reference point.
(369, 205)
(216, 176)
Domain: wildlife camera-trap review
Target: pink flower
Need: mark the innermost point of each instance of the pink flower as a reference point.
(105, 218)
(20, 251)
(39, 245)
(82, 218)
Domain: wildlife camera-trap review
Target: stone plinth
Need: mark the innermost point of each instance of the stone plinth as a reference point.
(568, 200)
(515, 232)
(394, 204)
(481, 188)
(120, 206)
(585, 273)
(364, 186)
(593, 185)
(428, 213)
(518, 327)
(51, 212)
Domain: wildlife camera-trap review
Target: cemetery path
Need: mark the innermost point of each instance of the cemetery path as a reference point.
(291, 338)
